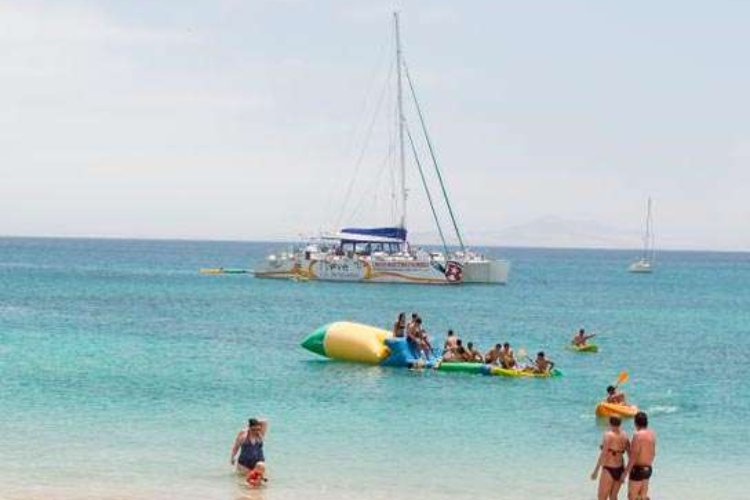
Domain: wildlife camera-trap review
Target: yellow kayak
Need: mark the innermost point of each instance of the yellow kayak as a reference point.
(609, 410)
(514, 372)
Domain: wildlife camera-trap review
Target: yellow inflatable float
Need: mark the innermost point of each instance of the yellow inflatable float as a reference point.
(605, 409)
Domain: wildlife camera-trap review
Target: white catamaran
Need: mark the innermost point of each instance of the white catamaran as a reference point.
(383, 254)
(645, 264)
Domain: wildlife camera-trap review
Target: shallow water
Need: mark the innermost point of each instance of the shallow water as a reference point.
(125, 375)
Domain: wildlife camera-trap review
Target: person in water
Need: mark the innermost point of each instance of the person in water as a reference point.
(542, 365)
(614, 445)
(641, 458)
(399, 327)
(472, 354)
(507, 359)
(249, 444)
(493, 355)
(581, 338)
(614, 397)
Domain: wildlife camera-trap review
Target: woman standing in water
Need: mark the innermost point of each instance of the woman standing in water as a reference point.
(612, 459)
(249, 443)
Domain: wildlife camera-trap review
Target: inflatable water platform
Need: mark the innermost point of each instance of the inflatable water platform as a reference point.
(358, 343)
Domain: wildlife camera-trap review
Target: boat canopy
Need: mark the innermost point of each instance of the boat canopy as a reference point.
(374, 235)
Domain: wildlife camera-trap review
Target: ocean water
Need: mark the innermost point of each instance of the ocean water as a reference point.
(124, 374)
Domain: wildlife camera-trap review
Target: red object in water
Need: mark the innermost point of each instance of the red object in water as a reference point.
(254, 478)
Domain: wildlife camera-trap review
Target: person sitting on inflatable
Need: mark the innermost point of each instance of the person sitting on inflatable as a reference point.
(507, 360)
(541, 364)
(423, 340)
(472, 354)
(457, 354)
(399, 327)
(450, 341)
(493, 355)
(614, 397)
(580, 338)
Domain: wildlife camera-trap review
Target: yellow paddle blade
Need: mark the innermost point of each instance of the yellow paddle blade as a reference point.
(622, 378)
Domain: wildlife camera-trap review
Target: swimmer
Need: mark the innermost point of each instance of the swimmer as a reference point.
(641, 458)
(580, 338)
(614, 397)
(249, 443)
(611, 458)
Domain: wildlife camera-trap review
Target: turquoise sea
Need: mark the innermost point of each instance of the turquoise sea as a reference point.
(124, 374)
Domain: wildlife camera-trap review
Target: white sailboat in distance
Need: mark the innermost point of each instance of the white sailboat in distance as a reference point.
(645, 264)
(383, 254)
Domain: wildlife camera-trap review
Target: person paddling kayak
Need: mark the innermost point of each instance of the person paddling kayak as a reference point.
(581, 338)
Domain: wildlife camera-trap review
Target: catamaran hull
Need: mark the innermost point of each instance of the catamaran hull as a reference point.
(385, 271)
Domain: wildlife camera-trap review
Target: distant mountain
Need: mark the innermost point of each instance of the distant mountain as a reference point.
(549, 231)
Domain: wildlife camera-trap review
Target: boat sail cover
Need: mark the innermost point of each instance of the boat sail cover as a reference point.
(394, 234)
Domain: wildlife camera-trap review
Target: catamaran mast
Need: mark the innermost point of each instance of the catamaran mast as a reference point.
(400, 123)
(647, 237)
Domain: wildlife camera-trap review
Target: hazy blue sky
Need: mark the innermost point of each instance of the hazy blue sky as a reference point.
(232, 119)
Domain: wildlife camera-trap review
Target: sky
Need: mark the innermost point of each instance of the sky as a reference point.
(228, 119)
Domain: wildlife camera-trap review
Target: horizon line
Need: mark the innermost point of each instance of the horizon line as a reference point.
(292, 241)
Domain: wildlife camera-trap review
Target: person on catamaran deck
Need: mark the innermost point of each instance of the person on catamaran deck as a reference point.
(472, 354)
(507, 359)
(399, 327)
(493, 355)
(541, 364)
(251, 461)
(450, 341)
(581, 338)
(614, 445)
(641, 458)
(615, 397)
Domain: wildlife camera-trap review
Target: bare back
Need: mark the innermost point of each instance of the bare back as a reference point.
(644, 447)
(614, 447)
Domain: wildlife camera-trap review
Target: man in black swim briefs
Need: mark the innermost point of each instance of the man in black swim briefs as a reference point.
(641, 458)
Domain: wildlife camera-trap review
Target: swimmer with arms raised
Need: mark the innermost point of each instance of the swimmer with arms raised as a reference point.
(641, 458)
(251, 461)
(611, 458)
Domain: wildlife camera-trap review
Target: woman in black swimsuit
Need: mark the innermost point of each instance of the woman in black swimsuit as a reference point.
(611, 459)
(249, 444)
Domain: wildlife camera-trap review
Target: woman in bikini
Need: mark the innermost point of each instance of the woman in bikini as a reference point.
(611, 458)
(399, 327)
